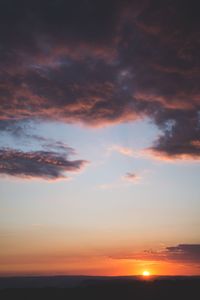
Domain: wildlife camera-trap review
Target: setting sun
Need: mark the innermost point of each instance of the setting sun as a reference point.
(146, 273)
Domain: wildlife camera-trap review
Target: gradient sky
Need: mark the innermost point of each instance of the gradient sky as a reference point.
(100, 137)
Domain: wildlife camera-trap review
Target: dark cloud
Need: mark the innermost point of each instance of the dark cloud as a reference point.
(181, 136)
(37, 164)
(104, 62)
(186, 253)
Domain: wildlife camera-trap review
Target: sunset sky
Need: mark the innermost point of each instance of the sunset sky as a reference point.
(99, 137)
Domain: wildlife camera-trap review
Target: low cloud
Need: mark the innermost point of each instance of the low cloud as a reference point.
(38, 164)
(186, 253)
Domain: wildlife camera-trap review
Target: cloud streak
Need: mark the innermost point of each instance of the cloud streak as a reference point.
(122, 150)
(37, 164)
(186, 253)
(132, 177)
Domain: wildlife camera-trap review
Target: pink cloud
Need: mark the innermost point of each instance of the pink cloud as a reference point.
(122, 150)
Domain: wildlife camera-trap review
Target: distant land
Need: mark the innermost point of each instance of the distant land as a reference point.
(75, 281)
(92, 287)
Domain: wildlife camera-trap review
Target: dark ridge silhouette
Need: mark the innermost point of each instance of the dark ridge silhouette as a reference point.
(86, 287)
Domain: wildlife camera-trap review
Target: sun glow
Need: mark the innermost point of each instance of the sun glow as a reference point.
(146, 273)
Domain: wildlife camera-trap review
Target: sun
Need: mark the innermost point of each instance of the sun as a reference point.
(146, 273)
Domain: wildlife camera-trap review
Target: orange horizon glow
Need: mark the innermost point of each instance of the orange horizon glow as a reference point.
(93, 266)
(45, 253)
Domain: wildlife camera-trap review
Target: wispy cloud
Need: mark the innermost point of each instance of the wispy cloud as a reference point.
(121, 149)
(132, 177)
(124, 181)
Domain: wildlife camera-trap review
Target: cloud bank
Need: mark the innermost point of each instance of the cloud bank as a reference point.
(104, 62)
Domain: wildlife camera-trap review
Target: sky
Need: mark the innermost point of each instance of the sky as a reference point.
(99, 137)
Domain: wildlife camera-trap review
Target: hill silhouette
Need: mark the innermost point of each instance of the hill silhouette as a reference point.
(161, 288)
